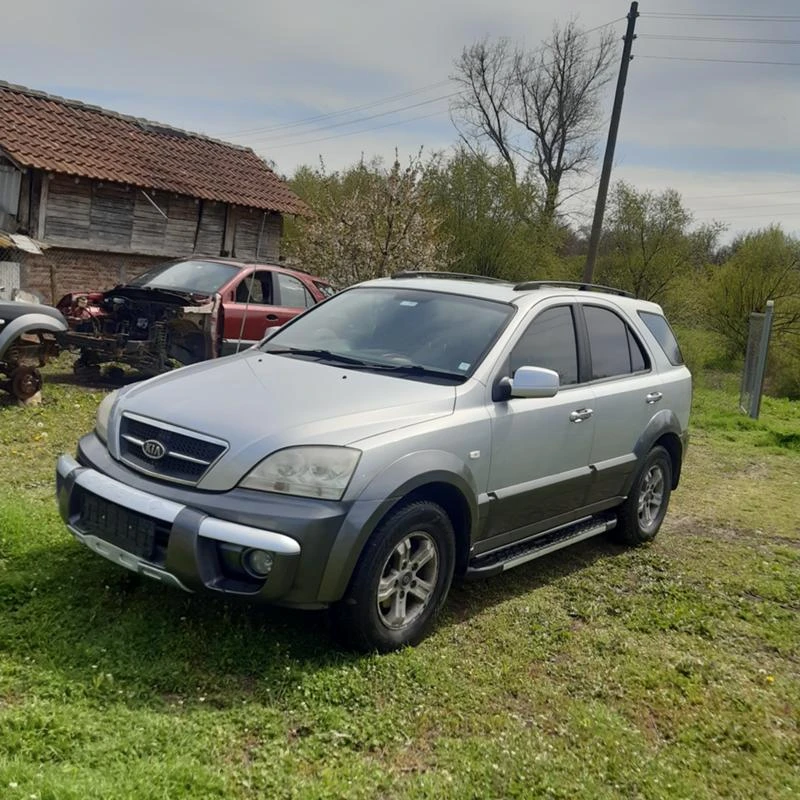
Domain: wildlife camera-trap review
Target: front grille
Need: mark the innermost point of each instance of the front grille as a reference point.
(187, 457)
(135, 533)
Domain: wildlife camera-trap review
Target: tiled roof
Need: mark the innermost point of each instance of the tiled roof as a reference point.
(50, 133)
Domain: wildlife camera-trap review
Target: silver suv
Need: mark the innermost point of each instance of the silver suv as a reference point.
(402, 432)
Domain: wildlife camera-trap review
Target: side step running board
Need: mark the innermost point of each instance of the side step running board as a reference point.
(521, 552)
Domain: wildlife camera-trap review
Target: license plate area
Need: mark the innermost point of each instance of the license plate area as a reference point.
(129, 530)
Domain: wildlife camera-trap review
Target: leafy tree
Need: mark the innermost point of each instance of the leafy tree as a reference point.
(765, 265)
(539, 110)
(650, 243)
(491, 222)
(369, 220)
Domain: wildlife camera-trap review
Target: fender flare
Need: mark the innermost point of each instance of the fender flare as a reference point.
(29, 323)
(665, 421)
(383, 492)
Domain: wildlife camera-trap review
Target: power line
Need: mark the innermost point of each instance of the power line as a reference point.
(361, 119)
(351, 110)
(724, 60)
(364, 130)
(375, 103)
(723, 17)
(757, 216)
(731, 39)
(605, 24)
(739, 194)
(744, 208)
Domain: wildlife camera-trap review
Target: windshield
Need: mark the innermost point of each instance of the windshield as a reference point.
(203, 277)
(409, 331)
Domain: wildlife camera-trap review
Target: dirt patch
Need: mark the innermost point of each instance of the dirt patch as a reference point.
(684, 525)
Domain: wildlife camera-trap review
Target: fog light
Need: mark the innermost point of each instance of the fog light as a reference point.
(258, 562)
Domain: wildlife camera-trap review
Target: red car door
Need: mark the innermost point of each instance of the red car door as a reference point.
(293, 295)
(249, 309)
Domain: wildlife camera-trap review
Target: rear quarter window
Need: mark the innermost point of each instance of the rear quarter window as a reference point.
(660, 328)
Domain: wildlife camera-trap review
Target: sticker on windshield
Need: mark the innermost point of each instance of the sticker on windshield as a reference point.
(411, 303)
(463, 366)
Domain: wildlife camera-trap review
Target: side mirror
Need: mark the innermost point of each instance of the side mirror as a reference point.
(532, 382)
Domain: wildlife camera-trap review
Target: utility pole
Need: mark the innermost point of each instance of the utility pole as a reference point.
(608, 159)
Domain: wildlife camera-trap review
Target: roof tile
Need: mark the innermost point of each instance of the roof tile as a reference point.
(50, 133)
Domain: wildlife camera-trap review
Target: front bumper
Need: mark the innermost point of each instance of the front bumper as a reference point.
(174, 542)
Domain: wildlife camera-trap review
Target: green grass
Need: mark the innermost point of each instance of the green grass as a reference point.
(598, 672)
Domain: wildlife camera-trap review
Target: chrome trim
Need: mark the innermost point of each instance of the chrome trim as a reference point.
(127, 496)
(245, 536)
(543, 551)
(529, 539)
(125, 559)
(139, 442)
(66, 465)
(157, 423)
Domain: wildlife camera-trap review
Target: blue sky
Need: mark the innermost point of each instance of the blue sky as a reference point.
(723, 134)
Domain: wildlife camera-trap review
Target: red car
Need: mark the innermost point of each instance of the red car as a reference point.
(185, 311)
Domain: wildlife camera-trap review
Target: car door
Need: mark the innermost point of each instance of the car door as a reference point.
(539, 471)
(249, 310)
(293, 296)
(626, 397)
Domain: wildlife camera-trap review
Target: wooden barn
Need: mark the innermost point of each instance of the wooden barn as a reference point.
(106, 195)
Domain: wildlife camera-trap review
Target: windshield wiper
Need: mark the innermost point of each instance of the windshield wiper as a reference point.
(321, 354)
(398, 369)
(417, 369)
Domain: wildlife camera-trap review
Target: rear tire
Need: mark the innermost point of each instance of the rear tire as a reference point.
(641, 515)
(401, 581)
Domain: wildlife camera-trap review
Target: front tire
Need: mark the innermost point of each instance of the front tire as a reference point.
(401, 581)
(641, 515)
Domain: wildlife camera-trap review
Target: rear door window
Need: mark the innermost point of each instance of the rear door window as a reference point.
(293, 293)
(614, 348)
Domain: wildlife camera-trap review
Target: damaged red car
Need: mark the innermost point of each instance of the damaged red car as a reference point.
(185, 311)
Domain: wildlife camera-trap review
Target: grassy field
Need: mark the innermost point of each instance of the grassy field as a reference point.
(669, 671)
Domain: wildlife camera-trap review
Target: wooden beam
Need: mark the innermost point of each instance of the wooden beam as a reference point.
(230, 230)
(43, 196)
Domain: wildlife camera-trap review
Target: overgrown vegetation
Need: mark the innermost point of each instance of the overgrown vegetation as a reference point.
(598, 672)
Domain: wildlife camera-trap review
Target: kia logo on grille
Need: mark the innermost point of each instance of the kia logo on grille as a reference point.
(154, 449)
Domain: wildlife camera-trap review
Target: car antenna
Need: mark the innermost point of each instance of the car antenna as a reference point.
(246, 307)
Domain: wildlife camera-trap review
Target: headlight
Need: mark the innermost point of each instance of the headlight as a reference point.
(103, 413)
(316, 471)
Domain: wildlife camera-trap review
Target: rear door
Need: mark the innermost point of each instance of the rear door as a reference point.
(541, 447)
(293, 295)
(627, 395)
(249, 310)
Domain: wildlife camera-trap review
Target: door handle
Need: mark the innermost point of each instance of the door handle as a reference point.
(653, 397)
(580, 415)
(272, 317)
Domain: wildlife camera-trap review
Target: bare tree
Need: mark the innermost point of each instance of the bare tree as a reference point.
(481, 110)
(540, 109)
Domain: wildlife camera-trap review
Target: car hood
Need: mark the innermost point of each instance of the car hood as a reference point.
(154, 294)
(260, 403)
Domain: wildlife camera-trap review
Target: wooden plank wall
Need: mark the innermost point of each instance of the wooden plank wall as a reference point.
(212, 229)
(96, 216)
(252, 227)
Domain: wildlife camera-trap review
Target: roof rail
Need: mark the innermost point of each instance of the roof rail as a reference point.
(461, 276)
(586, 287)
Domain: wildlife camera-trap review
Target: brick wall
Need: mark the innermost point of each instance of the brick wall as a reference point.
(67, 270)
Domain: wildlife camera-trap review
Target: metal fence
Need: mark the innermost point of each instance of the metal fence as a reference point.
(755, 362)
